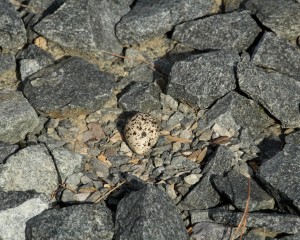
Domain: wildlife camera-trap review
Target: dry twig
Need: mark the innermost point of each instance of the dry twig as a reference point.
(109, 192)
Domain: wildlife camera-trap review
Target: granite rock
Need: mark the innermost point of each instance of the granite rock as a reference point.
(204, 195)
(6, 150)
(235, 187)
(86, 26)
(140, 97)
(280, 223)
(278, 93)
(236, 30)
(281, 16)
(148, 214)
(31, 168)
(13, 33)
(281, 175)
(16, 209)
(208, 230)
(231, 5)
(87, 221)
(17, 117)
(8, 78)
(278, 54)
(202, 79)
(238, 113)
(69, 88)
(149, 19)
(293, 138)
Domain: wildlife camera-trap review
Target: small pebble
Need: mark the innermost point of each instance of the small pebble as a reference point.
(192, 178)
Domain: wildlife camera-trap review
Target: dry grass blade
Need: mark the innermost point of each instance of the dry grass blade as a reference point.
(198, 155)
(242, 225)
(221, 140)
(109, 192)
(177, 139)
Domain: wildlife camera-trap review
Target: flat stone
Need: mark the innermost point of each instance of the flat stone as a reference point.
(13, 33)
(282, 17)
(148, 214)
(19, 208)
(86, 221)
(276, 222)
(31, 168)
(278, 54)
(235, 187)
(147, 20)
(141, 97)
(282, 176)
(236, 30)
(278, 93)
(204, 195)
(87, 26)
(8, 78)
(67, 162)
(6, 150)
(69, 88)
(17, 117)
(238, 113)
(202, 79)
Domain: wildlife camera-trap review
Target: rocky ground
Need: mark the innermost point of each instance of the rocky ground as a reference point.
(222, 78)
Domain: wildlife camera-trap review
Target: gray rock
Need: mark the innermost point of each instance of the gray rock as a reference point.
(69, 88)
(282, 176)
(291, 237)
(282, 17)
(148, 19)
(231, 5)
(87, 25)
(31, 168)
(141, 97)
(67, 162)
(208, 230)
(235, 30)
(278, 93)
(278, 54)
(19, 208)
(50, 142)
(6, 150)
(236, 112)
(100, 168)
(8, 78)
(280, 223)
(148, 214)
(118, 160)
(88, 221)
(13, 33)
(293, 138)
(17, 117)
(202, 79)
(204, 195)
(235, 187)
(28, 67)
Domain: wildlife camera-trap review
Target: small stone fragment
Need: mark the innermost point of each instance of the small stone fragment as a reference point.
(141, 133)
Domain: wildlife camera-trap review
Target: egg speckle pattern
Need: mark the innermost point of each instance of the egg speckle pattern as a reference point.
(141, 133)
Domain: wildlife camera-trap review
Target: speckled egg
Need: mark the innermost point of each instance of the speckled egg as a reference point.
(141, 133)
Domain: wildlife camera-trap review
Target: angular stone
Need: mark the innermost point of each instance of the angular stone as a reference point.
(293, 138)
(87, 221)
(280, 223)
(67, 162)
(238, 113)
(281, 16)
(231, 5)
(235, 30)
(148, 214)
(13, 33)
(87, 25)
(278, 54)
(8, 78)
(17, 117)
(282, 176)
(207, 230)
(278, 93)
(31, 168)
(235, 187)
(6, 150)
(148, 19)
(204, 195)
(202, 79)
(69, 88)
(141, 97)
(19, 208)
